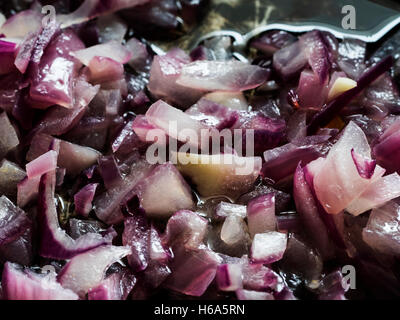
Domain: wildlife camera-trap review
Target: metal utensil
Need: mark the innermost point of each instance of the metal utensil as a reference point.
(245, 19)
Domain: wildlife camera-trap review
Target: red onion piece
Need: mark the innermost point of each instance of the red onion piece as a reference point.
(143, 129)
(311, 91)
(13, 221)
(115, 287)
(136, 235)
(79, 275)
(54, 242)
(43, 164)
(168, 186)
(226, 209)
(272, 41)
(104, 69)
(164, 73)
(157, 250)
(112, 50)
(174, 122)
(382, 232)
(8, 136)
(192, 270)
(281, 162)
(108, 205)
(307, 208)
(126, 140)
(83, 199)
(243, 294)
(377, 194)
(7, 56)
(19, 284)
(222, 76)
(10, 175)
(49, 85)
(59, 120)
(317, 54)
(257, 276)
(20, 24)
(140, 59)
(229, 277)
(91, 9)
(339, 169)
(232, 100)
(261, 214)
(289, 61)
(333, 108)
(109, 171)
(234, 231)
(185, 228)
(268, 247)
(365, 166)
(213, 115)
(386, 150)
(220, 174)
(72, 157)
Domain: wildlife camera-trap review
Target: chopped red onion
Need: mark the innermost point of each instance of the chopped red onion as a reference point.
(234, 230)
(268, 247)
(107, 206)
(109, 171)
(43, 164)
(281, 162)
(382, 230)
(222, 76)
(79, 275)
(229, 277)
(136, 235)
(104, 69)
(164, 73)
(168, 186)
(140, 59)
(226, 209)
(91, 9)
(142, 127)
(8, 136)
(174, 122)
(157, 250)
(115, 287)
(20, 284)
(365, 166)
(261, 214)
(311, 91)
(377, 194)
(54, 242)
(193, 270)
(243, 294)
(10, 175)
(213, 115)
(49, 86)
(272, 41)
(220, 174)
(185, 228)
(7, 56)
(20, 24)
(111, 28)
(345, 182)
(13, 221)
(83, 199)
(232, 100)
